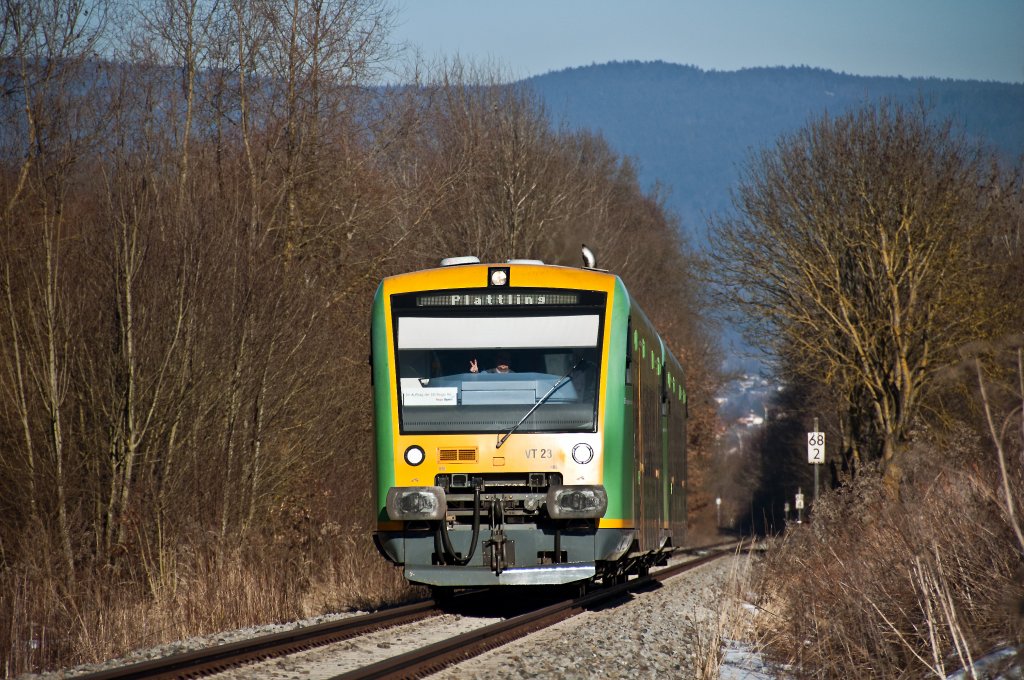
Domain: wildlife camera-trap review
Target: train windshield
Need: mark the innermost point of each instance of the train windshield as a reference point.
(482, 370)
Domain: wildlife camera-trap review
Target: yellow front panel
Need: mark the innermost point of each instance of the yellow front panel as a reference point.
(520, 453)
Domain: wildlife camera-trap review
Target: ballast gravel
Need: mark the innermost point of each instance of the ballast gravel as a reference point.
(666, 632)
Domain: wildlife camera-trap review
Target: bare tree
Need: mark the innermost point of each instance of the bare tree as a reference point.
(313, 57)
(176, 35)
(852, 257)
(51, 121)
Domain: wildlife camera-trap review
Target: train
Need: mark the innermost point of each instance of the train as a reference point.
(530, 427)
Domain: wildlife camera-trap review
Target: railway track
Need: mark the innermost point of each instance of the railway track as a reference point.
(214, 659)
(417, 663)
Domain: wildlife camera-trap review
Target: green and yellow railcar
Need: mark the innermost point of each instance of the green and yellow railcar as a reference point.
(530, 427)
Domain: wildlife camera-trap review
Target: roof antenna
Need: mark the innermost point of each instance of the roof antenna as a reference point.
(589, 261)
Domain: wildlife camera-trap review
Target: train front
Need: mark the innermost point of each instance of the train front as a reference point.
(490, 386)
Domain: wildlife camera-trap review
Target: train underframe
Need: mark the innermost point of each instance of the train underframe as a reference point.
(496, 534)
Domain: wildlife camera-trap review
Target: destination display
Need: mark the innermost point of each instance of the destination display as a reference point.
(504, 298)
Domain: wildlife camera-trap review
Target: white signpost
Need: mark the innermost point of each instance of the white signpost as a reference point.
(816, 448)
(816, 453)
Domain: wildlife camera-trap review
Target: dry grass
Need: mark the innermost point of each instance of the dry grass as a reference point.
(893, 588)
(45, 626)
(711, 631)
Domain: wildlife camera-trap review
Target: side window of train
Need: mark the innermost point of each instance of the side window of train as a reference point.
(369, 358)
(664, 390)
(630, 343)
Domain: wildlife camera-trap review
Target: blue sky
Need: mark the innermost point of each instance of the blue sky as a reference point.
(966, 39)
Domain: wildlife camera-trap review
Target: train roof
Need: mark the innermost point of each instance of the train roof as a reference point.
(521, 273)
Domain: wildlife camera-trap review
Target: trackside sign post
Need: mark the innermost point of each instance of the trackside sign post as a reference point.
(816, 452)
(816, 448)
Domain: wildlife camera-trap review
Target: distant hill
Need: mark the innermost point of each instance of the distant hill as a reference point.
(692, 129)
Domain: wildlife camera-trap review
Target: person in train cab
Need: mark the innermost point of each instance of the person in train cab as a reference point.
(501, 364)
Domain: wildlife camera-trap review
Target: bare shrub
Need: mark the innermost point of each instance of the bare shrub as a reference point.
(884, 587)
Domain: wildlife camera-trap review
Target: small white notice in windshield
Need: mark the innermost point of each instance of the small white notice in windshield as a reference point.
(414, 394)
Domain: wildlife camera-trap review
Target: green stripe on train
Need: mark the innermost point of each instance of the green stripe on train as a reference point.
(383, 424)
(618, 422)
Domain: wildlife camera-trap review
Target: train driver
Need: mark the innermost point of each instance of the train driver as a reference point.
(501, 364)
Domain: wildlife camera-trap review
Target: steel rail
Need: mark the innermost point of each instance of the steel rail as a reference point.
(433, 658)
(221, 657)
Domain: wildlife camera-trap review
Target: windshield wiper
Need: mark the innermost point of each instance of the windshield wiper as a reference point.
(561, 381)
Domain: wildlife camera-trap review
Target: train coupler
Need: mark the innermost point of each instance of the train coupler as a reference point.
(499, 551)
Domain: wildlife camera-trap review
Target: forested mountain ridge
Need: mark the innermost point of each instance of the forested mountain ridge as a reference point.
(692, 130)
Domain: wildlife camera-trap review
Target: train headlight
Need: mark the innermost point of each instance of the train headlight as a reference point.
(416, 502)
(578, 501)
(497, 276)
(414, 455)
(582, 453)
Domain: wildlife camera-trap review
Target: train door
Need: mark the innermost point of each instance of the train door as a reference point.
(647, 440)
(676, 456)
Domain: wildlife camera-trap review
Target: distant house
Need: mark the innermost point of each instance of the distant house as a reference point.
(751, 420)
